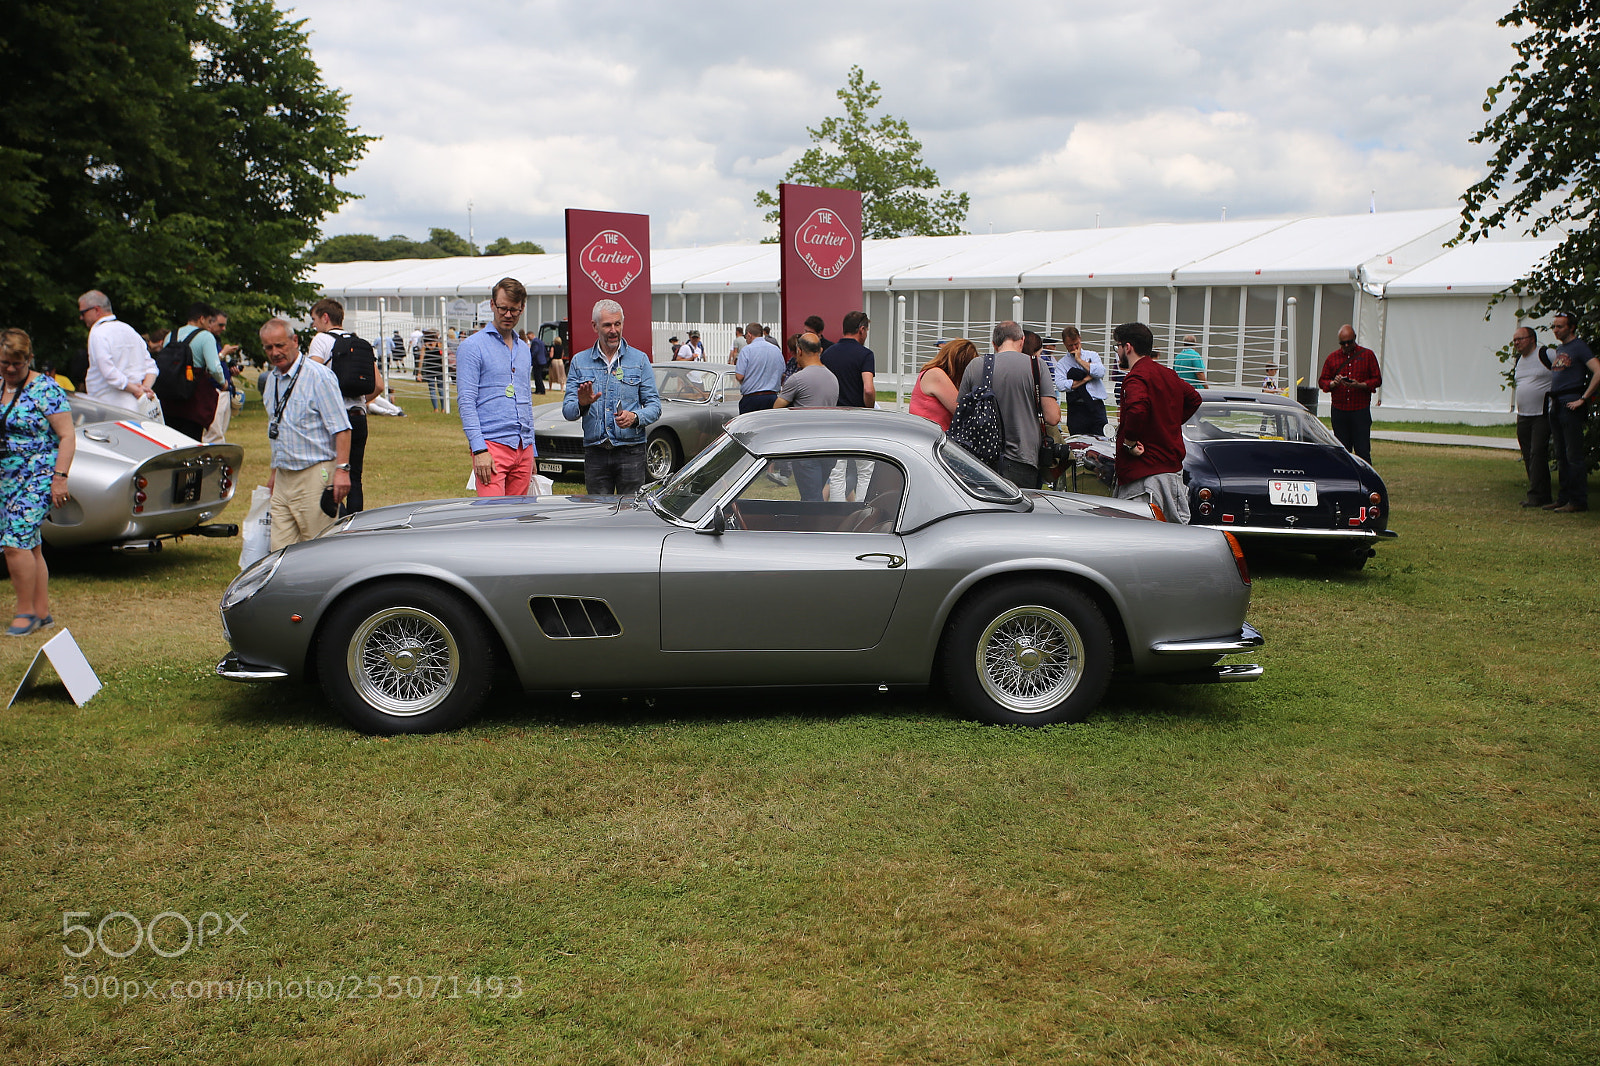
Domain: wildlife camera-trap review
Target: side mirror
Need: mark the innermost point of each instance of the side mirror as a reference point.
(719, 524)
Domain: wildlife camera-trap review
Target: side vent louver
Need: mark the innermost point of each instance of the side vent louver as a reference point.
(565, 617)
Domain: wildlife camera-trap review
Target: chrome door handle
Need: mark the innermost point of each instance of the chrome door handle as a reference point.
(894, 560)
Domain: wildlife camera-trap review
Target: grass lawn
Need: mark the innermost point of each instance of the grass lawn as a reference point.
(1383, 852)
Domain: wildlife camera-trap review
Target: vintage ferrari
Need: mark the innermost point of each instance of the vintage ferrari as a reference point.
(697, 400)
(1264, 468)
(939, 572)
(137, 483)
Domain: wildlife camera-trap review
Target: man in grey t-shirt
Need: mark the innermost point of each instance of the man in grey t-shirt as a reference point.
(1022, 402)
(813, 385)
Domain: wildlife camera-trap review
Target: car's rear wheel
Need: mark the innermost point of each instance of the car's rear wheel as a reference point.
(405, 657)
(662, 456)
(1028, 654)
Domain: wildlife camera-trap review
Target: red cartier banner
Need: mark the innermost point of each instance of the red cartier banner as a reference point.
(608, 258)
(820, 230)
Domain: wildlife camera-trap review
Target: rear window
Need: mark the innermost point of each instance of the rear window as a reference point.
(974, 476)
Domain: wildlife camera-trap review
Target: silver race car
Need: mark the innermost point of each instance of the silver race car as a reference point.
(933, 569)
(697, 400)
(136, 482)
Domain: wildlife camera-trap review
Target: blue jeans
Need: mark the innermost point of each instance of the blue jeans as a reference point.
(613, 471)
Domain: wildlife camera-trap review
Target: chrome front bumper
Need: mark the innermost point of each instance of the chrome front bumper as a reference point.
(1248, 639)
(236, 669)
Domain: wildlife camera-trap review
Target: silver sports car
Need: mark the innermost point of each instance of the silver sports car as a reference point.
(136, 482)
(1021, 603)
(697, 400)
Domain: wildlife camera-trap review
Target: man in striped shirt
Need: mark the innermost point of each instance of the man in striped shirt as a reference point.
(309, 432)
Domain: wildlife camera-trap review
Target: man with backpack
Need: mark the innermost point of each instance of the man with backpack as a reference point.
(1024, 397)
(190, 375)
(355, 364)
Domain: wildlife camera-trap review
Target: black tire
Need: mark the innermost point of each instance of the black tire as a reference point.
(405, 657)
(1035, 653)
(1345, 560)
(662, 456)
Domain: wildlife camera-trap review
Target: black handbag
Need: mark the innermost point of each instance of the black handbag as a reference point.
(976, 424)
(1050, 451)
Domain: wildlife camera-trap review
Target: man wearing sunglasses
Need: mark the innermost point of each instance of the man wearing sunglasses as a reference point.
(1351, 374)
(494, 387)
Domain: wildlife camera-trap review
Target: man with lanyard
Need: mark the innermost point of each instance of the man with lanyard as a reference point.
(1351, 375)
(327, 317)
(760, 371)
(612, 387)
(494, 381)
(1569, 398)
(309, 433)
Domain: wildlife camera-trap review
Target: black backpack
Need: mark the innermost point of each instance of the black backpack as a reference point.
(175, 368)
(355, 364)
(976, 424)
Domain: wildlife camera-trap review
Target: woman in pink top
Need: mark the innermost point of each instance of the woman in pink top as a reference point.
(934, 396)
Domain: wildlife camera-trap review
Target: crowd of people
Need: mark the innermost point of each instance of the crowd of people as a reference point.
(1554, 388)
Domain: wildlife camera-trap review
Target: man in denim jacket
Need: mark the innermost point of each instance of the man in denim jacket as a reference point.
(612, 387)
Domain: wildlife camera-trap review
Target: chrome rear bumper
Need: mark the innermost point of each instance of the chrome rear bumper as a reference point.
(1246, 640)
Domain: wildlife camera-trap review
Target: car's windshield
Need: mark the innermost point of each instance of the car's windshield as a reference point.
(685, 383)
(692, 491)
(974, 476)
(1221, 421)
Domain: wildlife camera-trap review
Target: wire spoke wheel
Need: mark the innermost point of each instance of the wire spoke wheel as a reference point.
(1029, 659)
(403, 661)
(659, 458)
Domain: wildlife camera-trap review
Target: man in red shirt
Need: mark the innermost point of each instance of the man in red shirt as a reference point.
(1351, 374)
(1156, 403)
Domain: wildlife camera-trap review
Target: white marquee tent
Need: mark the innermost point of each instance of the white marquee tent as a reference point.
(1258, 296)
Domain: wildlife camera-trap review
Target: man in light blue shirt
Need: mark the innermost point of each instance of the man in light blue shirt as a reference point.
(612, 387)
(1081, 377)
(1189, 364)
(310, 436)
(494, 387)
(760, 371)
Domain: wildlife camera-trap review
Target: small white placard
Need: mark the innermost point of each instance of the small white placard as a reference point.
(70, 665)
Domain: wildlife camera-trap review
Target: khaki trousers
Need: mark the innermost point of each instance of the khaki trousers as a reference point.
(297, 513)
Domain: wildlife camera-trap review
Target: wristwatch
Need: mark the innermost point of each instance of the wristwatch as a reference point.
(342, 466)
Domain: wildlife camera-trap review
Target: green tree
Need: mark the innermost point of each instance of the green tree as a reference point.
(164, 151)
(507, 246)
(1545, 172)
(365, 248)
(878, 157)
(450, 242)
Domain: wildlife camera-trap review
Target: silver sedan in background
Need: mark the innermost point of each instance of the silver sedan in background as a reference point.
(697, 400)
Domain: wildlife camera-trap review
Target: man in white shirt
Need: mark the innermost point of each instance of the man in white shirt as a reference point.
(1533, 425)
(121, 372)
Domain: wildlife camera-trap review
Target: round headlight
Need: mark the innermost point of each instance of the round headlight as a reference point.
(253, 580)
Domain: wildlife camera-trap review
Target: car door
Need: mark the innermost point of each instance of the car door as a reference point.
(789, 574)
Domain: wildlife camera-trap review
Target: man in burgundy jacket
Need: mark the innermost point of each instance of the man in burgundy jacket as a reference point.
(1351, 375)
(1156, 403)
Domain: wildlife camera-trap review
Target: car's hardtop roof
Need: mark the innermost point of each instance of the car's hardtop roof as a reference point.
(1241, 396)
(694, 364)
(833, 428)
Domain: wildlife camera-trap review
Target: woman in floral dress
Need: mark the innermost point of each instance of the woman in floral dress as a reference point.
(36, 446)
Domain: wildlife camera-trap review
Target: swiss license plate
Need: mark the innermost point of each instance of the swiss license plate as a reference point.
(1292, 493)
(185, 486)
(550, 468)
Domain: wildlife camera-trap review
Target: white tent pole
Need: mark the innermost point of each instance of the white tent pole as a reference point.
(1144, 309)
(900, 389)
(1238, 356)
(383, 346)
(1277, 331)
(444, 351)
(1316, 338)
(1016, 308)
(1172, 318)
(1294, 317)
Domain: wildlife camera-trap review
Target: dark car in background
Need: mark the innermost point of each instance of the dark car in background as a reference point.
(1265, 469)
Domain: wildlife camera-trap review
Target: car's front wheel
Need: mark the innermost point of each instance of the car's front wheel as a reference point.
(405, 657)
(1028, 654)
(661, 456)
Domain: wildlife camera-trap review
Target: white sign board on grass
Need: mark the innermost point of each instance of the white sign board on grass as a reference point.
(70, 665)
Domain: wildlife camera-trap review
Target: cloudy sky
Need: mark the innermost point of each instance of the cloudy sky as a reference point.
(1048, 114)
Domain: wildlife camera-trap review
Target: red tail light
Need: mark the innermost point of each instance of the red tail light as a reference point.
(1238, 557)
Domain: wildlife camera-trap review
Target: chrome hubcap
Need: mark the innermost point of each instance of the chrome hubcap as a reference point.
(1029, 659)
(403, 661)
(658, 459)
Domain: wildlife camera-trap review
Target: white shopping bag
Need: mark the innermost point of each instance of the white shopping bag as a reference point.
(257, 531)
(540, 486)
